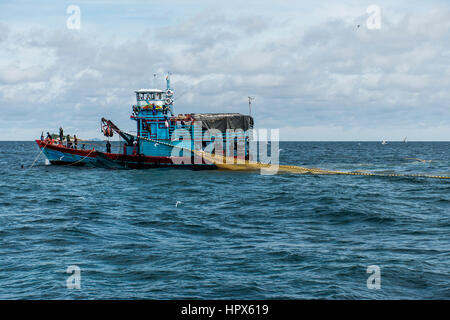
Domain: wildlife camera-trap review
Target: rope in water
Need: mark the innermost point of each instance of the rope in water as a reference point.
(35, 159)
(228, 164)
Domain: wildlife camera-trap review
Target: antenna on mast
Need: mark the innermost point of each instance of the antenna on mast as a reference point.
(250, 104)
(154, 77)
(168, 80)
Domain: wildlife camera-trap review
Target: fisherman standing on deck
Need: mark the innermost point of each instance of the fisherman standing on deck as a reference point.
(135, 146)
(42, 136)
(68, 141)
(61, 135)
(75, 141)
(166, 122)
(49, 136)
(108, 147)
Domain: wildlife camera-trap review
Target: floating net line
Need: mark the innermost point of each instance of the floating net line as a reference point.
(233, 164)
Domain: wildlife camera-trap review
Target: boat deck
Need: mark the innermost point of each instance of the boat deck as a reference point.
(59, 154)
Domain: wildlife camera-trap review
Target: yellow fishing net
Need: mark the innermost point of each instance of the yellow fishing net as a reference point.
(234, 164)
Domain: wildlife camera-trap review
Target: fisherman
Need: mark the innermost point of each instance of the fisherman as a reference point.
(61, 135)
(49, 136)
(83, 146)
(108, 147)
(69, 144)
(247, 151)
(42, 136)
(166, 122)
(135, 143)
(75, 140)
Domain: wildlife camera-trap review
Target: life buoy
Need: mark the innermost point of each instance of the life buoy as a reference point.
(169, 93)
(168, 101)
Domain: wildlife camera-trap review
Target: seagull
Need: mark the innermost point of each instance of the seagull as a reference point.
(178, 202)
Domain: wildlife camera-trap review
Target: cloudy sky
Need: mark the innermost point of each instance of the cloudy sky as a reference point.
(314, 73)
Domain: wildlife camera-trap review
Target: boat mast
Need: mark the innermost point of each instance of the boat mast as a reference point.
(168, 81)
(250, 104)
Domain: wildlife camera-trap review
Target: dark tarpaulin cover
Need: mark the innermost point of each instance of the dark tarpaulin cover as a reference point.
(224, 121)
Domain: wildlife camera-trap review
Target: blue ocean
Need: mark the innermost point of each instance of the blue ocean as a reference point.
(182, 234)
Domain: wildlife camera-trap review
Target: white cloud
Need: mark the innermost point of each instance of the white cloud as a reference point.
(353, 81)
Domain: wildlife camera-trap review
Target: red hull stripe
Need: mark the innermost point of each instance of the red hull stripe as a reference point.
(112, 156)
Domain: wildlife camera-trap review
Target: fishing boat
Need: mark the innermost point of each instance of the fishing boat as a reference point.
(162, 139)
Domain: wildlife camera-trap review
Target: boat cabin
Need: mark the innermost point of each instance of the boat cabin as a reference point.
(155, 122)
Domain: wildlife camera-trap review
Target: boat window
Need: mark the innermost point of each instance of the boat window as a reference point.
(159, 96)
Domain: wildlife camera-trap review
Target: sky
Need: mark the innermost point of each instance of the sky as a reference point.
(318, 70)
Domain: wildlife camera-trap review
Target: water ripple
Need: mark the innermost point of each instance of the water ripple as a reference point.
(234, 235)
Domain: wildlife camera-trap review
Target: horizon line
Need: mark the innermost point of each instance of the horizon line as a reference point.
(281, 140)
